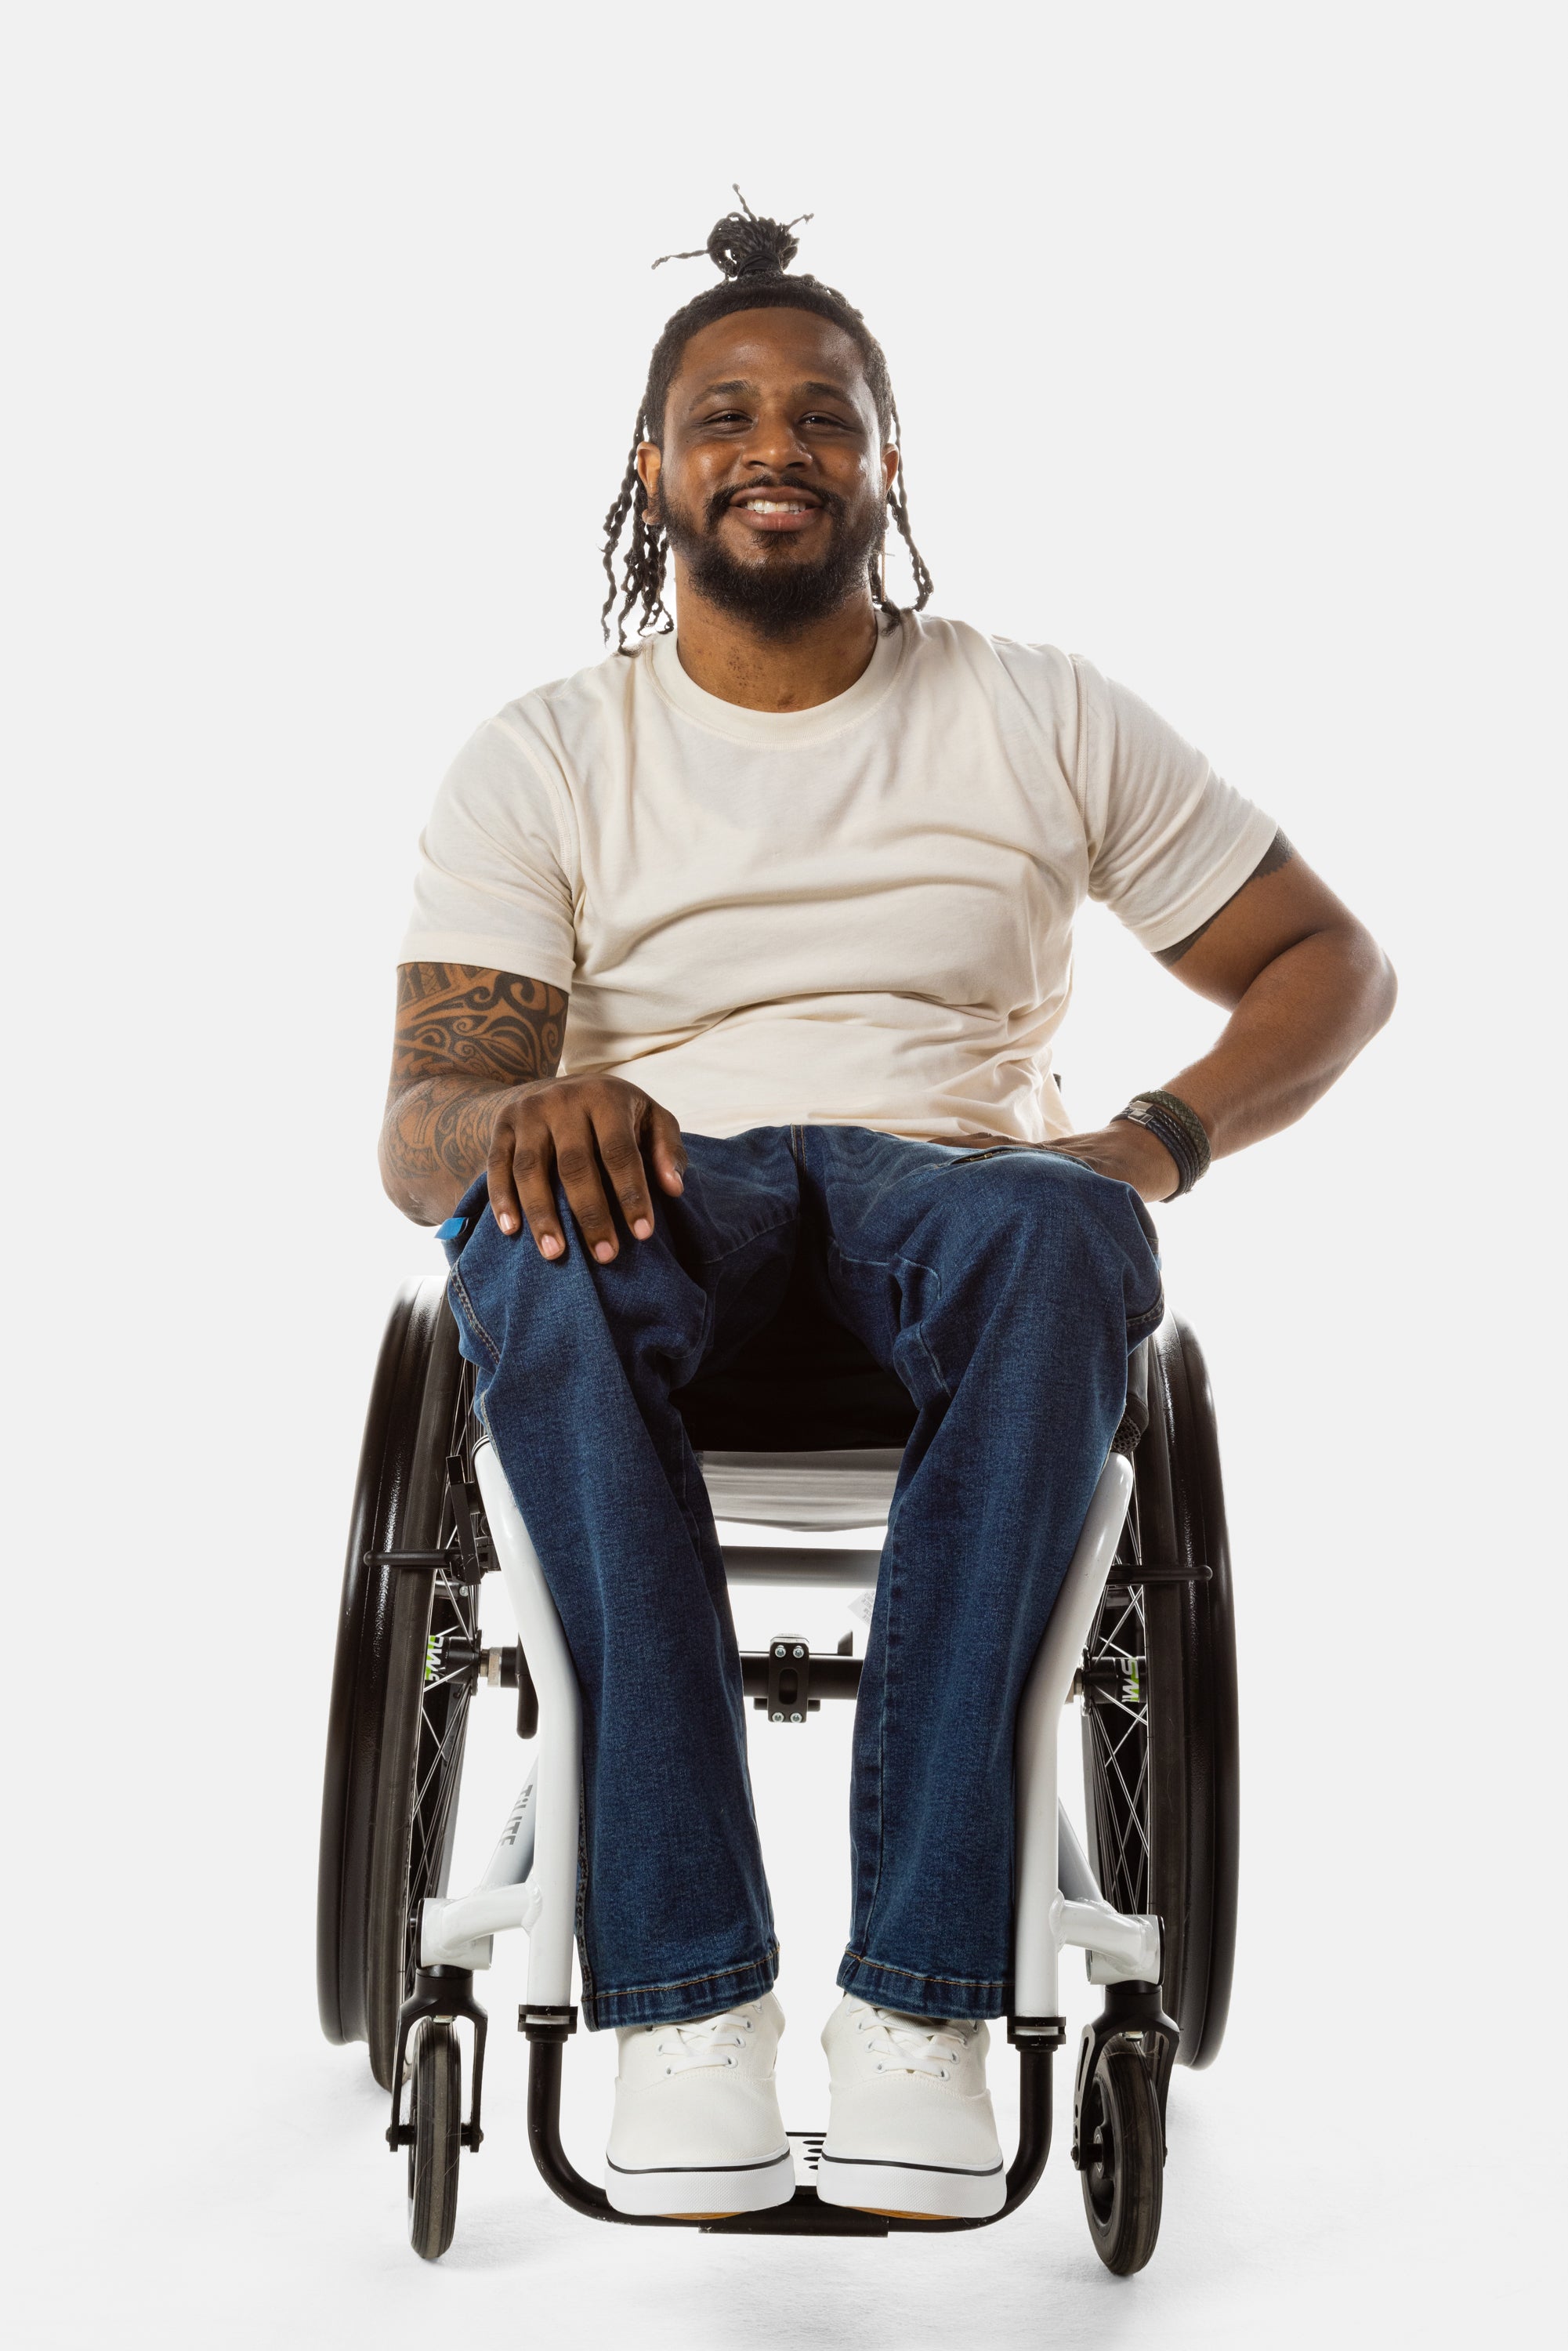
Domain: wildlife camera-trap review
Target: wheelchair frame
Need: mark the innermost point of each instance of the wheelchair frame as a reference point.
(1141, 1533)
(531, 1883)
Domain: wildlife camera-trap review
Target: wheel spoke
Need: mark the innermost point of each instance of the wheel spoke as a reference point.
(1119, 1748)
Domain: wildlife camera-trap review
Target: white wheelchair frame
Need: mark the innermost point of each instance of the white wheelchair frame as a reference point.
(531, 1879)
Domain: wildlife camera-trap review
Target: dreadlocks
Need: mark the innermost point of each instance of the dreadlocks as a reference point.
(753, 255)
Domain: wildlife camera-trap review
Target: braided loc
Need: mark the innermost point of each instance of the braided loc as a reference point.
(752, 254)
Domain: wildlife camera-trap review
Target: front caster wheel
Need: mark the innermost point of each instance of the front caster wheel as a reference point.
(436, 2095)
(1123, 2149)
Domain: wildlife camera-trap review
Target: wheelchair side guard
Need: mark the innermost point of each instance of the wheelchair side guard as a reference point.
(444, 1994)
(1132, 2015)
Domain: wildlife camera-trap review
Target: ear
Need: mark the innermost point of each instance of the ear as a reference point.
(889, 467)
(650, 461)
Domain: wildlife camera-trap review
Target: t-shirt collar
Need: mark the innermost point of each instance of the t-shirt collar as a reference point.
(783, 730)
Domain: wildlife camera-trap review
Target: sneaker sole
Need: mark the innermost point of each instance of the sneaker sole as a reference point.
(689, 2193)
(917, 2191)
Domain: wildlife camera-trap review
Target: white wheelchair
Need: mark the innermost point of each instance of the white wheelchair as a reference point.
(803, 1432)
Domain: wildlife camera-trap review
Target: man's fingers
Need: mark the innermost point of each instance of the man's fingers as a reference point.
(666, 1149)
(503, 1202)
(600, 1137)
(577, 1162)
(621, 1153)
(531, 1161)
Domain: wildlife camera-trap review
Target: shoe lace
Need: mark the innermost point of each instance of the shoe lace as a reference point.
(904, 2044)
(703, 2043)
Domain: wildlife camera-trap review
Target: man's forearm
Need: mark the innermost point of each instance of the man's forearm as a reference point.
(436, 1138)
(466, 1038)
(1299, 1025)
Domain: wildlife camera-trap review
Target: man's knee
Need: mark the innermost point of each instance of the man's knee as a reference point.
(1029, 1221)
(557, 1315)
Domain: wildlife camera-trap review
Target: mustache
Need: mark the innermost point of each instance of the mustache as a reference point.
(718, 504)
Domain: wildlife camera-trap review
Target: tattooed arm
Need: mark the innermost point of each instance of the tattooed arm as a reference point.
(464, 1038)
(1305, 986)
(474, 1090)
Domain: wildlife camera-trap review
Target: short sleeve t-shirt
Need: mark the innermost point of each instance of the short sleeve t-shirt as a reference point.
(860, 914)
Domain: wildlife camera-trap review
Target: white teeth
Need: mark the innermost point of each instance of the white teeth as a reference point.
(772, 506)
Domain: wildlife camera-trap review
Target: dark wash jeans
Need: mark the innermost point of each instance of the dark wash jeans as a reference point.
(1005, 1290)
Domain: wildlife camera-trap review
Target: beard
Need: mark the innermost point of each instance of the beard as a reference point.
(776, 595)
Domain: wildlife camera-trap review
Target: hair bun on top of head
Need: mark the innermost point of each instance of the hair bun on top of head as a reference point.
(742, 245)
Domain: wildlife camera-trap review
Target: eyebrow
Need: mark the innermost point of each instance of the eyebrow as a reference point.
(814, 389)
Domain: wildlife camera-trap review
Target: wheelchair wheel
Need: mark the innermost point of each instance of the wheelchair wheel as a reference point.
(1160, 1705)
(404, 1672)
(1123, 2160)
(434, 2153)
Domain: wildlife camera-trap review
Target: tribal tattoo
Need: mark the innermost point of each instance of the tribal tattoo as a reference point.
(1278, 852)
(464, 1036)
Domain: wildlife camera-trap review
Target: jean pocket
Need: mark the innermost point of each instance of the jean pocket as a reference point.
(991, 1151)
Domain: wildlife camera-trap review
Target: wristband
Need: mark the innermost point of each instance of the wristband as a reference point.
(1179, 1126)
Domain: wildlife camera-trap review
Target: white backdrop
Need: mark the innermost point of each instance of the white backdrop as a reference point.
(1227, 342)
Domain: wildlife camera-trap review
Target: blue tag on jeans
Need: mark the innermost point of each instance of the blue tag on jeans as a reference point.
(452, 1229)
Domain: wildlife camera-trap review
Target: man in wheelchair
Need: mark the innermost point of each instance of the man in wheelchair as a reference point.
(732, 978)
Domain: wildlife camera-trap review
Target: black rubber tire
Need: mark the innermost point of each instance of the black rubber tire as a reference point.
(1161, 1755)
(436, 2111)
(395, 1732)
(1123, 2150)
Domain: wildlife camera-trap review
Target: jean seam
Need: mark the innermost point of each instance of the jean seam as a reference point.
(925, 1975)
(760, 1235)
(890, 1564)
(686, 1983)
(916, 1330)
(685, 1453)
(455, 1284)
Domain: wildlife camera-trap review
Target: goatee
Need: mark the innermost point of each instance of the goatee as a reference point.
(777, 596)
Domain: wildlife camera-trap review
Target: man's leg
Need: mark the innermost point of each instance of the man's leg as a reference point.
(576, 1364)
(1005, 1291)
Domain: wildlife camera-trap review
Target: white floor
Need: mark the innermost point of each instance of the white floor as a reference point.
(265, 2209)
(1345, 2174)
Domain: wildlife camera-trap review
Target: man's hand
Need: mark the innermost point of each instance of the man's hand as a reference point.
(1130, 1153)
(474, 1087)
(592, 1133)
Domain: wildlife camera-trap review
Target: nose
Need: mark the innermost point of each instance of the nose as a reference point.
(774, 445)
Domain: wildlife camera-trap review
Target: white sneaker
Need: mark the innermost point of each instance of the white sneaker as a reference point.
(697, 2127)
(910, 2129)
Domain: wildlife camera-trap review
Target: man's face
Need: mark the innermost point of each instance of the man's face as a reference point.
(773, 479)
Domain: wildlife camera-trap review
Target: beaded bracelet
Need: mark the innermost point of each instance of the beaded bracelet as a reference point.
(1179, 1126)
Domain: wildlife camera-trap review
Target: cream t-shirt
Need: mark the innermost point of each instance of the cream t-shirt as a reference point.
(860, 914)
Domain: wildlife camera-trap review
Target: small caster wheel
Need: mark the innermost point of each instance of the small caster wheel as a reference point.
(435, 2113)
(1123, 2149)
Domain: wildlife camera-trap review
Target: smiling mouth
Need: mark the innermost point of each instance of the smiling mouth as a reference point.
(774, 510)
